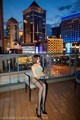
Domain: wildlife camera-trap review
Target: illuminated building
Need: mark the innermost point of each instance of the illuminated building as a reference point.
(1, 27)
(70, 30)
(21, 37)
(20, 33)
(34, 23)
(54, 45)
(12, 29)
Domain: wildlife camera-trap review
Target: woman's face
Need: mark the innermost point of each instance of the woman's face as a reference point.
(38, 60)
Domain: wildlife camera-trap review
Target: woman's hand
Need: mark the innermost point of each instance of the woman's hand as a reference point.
(39, 76)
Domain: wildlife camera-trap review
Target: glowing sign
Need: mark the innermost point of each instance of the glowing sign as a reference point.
(37, 50)
(24, 60)
(68, 47)
(40, 49)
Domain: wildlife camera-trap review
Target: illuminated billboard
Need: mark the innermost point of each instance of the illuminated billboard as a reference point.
(24, 60)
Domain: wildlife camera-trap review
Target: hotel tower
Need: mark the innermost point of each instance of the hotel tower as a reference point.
(12, 29)
(70, 31)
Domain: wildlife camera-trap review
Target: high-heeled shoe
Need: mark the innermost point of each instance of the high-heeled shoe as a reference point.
(43, 111)
(38, 115)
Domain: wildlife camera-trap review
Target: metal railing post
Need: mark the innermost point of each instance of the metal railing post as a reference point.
(18, 68)
(69, 64)
(49, 64)
(75, 62)
(43, 61)
(9, 69)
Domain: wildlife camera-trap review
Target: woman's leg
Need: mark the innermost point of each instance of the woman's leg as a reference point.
(43, 95)
(40, 87)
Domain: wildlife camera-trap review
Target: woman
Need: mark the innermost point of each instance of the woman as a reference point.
(37, 74)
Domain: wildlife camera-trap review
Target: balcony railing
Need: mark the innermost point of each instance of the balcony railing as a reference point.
(12, 66)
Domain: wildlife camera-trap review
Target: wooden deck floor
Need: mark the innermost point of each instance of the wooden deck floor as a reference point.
(62, 103)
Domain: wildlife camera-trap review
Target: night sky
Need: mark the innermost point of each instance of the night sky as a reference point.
(55, 9)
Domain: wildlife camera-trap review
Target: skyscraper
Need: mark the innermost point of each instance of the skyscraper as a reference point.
(12, 29)
(34, 23)
(1, 28)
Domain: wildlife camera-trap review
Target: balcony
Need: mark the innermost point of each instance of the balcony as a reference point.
(62, 103)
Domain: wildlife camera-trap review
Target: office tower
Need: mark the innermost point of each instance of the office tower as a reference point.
(70, 28)
(34, 23)
(56, 32)
(12, 29)
(1, 27)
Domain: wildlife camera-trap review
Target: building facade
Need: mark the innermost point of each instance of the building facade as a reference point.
(55, 45)
(1, 28)
(70, 28)
(70, 31)
(34, 23)
(12, 29)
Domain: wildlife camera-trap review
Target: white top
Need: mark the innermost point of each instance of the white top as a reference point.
(37, 71)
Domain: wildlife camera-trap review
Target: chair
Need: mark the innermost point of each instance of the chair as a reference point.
(77, 79)
(28, 83)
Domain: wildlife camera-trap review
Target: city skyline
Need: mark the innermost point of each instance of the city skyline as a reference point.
(55, 10)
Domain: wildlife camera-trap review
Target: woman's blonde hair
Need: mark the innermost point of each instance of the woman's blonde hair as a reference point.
(35, 58)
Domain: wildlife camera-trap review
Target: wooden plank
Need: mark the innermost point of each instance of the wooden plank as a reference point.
(18, 111)
(6, 106)
(12, 106)
(31, 113)
(23, 104)
(2, 102)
